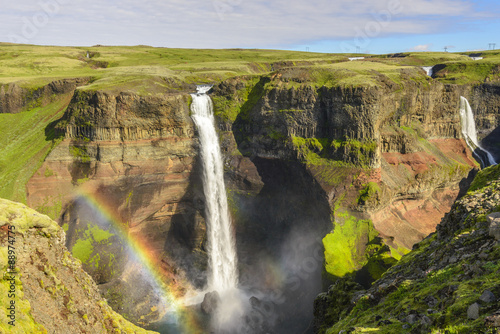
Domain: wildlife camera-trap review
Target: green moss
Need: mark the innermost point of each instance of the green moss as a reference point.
(228, 107)
(482, 178)
(321, 152)
(48, 172)
(453, 293)
(129, 197)
(51, 206)
(80, 152)
(24, 322)
(368, 192)
(82, 180)
(345, 247)
(24, 218)
(84, 247)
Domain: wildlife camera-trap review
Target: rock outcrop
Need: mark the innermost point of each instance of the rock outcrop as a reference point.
(49, 290)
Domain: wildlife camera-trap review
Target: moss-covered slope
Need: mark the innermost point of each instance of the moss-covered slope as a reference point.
(47, 286)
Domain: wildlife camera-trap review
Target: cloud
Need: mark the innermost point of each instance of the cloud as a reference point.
(232, 23)
(421, 47)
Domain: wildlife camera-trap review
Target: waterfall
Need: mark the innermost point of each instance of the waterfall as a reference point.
(470, 134)
(428, 70)
(221, 243)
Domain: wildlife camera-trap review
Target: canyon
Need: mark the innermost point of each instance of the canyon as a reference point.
(324, 182)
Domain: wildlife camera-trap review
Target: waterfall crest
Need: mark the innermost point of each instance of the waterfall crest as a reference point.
(470, 134)
(223, 274)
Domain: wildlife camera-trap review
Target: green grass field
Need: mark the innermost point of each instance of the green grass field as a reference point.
(121, 67)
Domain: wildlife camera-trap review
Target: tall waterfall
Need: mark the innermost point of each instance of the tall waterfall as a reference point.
(470, 134)
(221, 243)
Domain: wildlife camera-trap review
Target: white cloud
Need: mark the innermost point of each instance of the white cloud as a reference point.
(232, 23)
(421, 47)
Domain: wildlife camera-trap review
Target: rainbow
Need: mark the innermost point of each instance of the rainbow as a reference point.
(145, 256)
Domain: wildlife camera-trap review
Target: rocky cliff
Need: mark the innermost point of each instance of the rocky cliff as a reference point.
(133, 158)
(364, 170)
(388, 153)
(447, 283)
(45, 287)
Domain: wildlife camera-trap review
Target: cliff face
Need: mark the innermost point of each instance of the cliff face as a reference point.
(127, 162)
(449, 282)
(406, 140)
(51, 292)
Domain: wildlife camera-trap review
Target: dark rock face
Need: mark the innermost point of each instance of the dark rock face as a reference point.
(279, 236)
(485, 103)
(371, 124)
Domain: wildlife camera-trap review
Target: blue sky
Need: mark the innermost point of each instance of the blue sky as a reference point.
(372, 26)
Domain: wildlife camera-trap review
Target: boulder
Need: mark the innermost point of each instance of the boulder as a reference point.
(473, 311)
(210, 302)
(494, 220)
(487, 297)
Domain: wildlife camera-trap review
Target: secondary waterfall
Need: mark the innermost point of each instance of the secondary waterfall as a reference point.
(221, 243)
(428, 70)
(470, 134)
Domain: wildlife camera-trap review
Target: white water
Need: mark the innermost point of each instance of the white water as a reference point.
(470, 134)
(356, 58)
(428, 70)
(221, 244)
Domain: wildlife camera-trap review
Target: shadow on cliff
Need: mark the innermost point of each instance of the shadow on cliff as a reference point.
(186, 242)
(52, 132)
(279, 236)
(492, 143)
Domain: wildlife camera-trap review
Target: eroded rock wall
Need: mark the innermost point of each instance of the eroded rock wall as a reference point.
(408, 137)
(127, 163)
